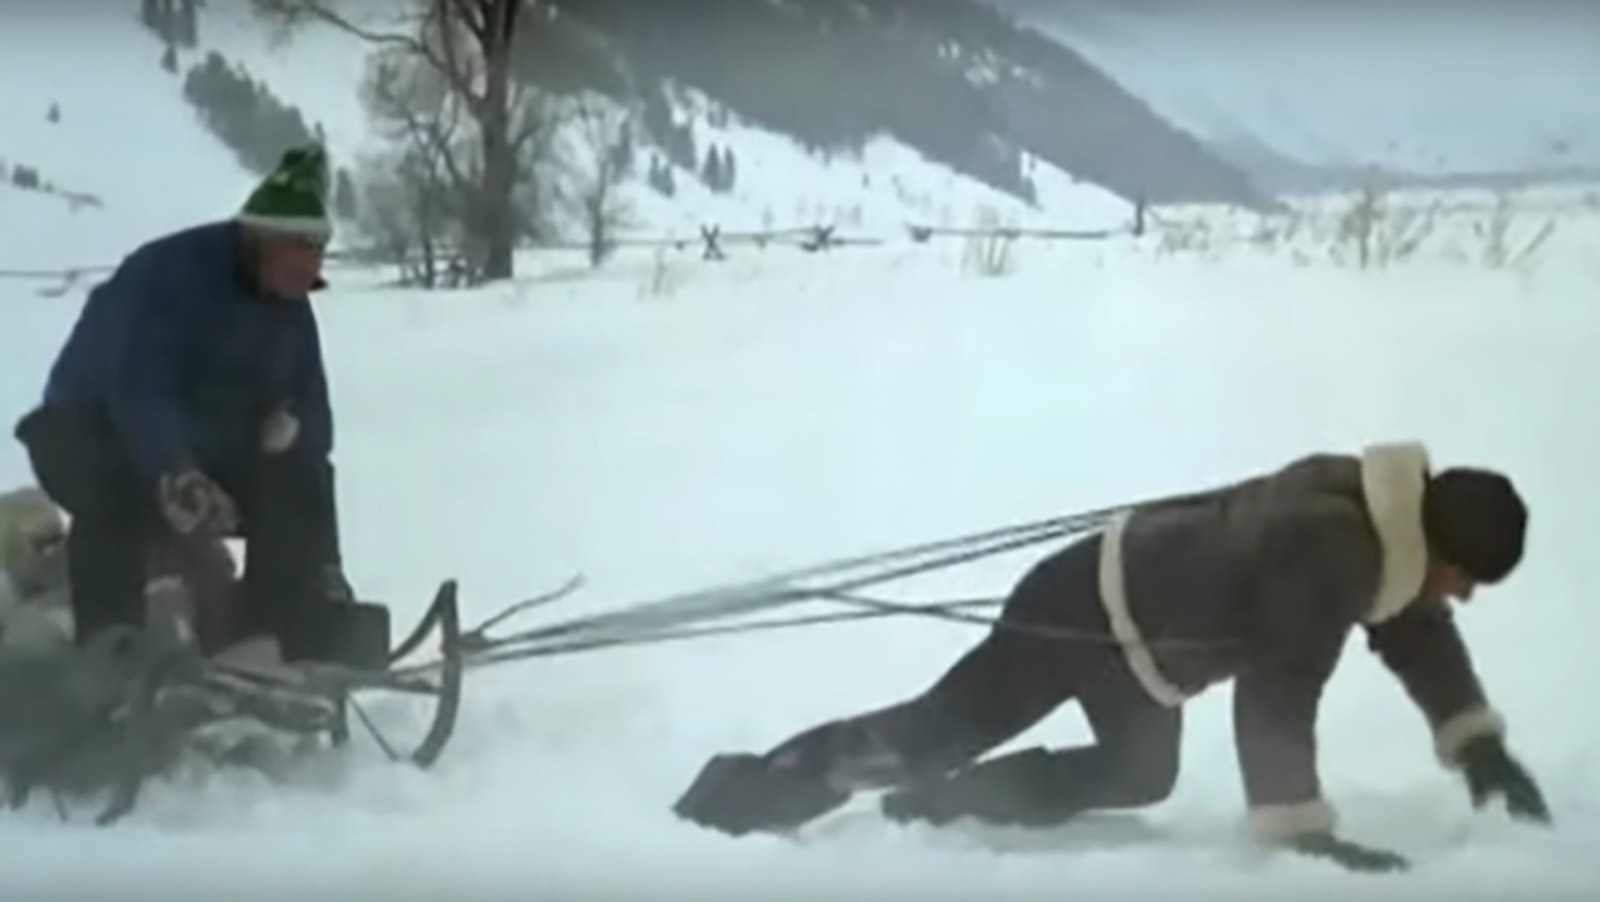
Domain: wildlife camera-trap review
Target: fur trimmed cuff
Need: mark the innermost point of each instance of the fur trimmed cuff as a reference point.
(1277, 824)
(1450, 736)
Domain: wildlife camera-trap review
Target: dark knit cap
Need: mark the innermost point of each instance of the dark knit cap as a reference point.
(1476, 520)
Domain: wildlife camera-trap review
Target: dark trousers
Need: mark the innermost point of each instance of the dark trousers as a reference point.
(287, 514)
(1007, 683)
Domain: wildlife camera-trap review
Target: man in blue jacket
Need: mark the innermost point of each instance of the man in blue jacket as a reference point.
(190, 402)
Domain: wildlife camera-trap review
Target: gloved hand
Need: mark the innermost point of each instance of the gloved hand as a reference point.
(1490, 770)
(1348, 854)
(194, 505)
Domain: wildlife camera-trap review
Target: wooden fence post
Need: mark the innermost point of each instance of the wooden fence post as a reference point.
(711, 235)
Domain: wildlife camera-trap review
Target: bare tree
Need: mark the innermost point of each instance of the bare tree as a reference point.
(412, 212)
(605, 131)
(467, 45)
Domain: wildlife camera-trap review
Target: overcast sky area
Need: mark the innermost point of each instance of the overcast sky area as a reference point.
(1462, 85)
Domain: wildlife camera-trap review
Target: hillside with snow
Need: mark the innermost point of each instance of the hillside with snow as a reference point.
(126, 138)
(780, 184)
(1481, 88)
(962, 84)
(125, 154)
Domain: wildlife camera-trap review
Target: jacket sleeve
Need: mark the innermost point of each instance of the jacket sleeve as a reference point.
(311, 402)
(1313, 568)
(143, 335)
(1423, 648)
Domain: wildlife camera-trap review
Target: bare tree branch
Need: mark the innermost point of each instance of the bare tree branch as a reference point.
(604, 130)
(466, 45)
(474, 18)
(292, 14)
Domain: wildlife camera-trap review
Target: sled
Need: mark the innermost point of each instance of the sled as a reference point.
(314, 698)
(169, 695)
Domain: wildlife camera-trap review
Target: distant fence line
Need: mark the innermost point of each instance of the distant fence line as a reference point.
(712, 241)
(817, 238)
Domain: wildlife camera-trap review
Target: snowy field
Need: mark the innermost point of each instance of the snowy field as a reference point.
(666, 424)
(666, 429)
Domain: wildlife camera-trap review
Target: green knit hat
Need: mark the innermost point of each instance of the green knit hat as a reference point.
(291, 199)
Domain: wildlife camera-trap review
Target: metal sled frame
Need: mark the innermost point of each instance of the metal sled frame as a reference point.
(338, 684)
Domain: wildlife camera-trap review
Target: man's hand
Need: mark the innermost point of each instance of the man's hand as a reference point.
(1491, 771)
(194, 505)
(1348, 854)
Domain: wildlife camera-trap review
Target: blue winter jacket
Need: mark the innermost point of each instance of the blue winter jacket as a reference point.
(185, 360)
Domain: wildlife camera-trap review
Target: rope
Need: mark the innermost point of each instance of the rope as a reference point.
(780, 589)
(674, 618)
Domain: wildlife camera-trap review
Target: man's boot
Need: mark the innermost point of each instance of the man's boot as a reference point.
(803, 778)
(740, 793)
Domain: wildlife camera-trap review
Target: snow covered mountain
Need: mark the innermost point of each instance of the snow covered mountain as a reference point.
(1479, 87)
(779, 183)
(952, 79)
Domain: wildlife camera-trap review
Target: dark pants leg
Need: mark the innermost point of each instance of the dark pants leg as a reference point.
(114, 522)
(1007, 683)
(1133, 762)
(289, 525)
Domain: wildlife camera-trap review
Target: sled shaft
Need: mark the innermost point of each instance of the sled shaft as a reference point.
(788, 588)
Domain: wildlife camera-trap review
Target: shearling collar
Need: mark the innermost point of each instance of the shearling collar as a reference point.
(1393, 477)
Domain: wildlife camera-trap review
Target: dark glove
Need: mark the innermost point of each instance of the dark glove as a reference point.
(1348, 854)
(1490, 770)
(196, 506)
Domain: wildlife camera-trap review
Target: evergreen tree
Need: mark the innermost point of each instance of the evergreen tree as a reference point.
(730, 171)
(711, 170)
(184, 29)
(245, 114)
(624, 150)
(661, 178)
(153, 14)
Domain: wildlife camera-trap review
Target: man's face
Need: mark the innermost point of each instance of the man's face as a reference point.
(289, 265)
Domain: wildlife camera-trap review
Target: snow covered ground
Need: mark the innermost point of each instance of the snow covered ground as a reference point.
(665, 424)
(667, 431)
